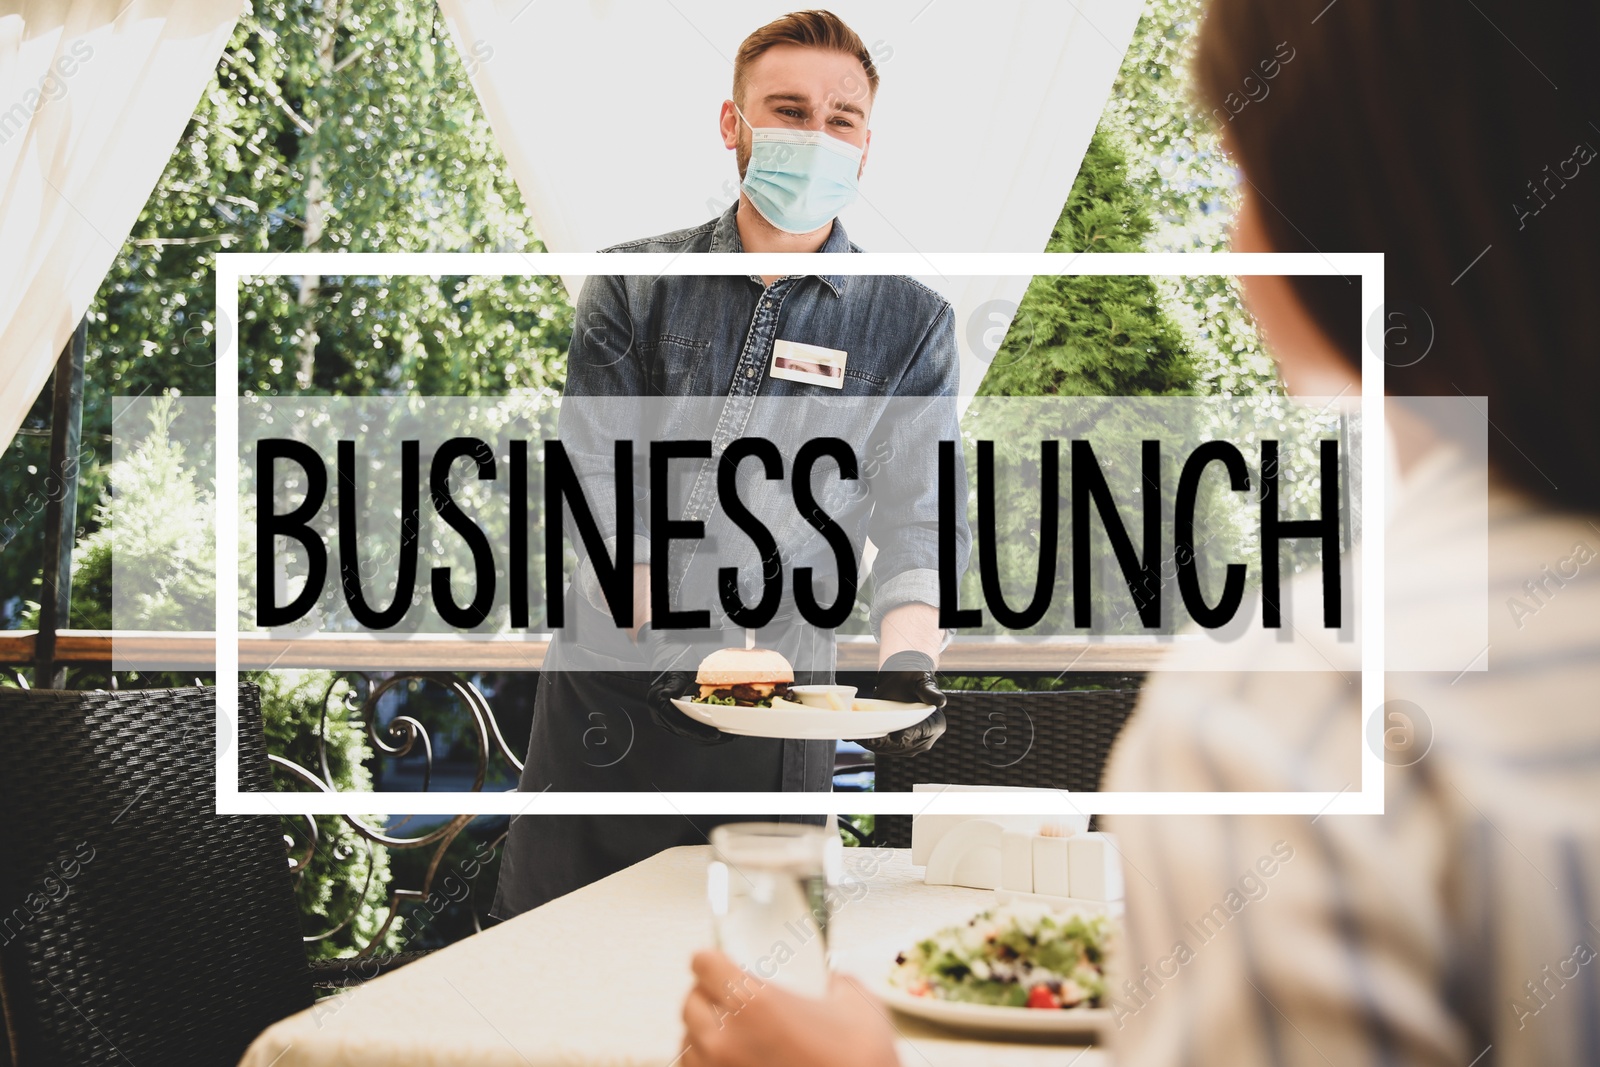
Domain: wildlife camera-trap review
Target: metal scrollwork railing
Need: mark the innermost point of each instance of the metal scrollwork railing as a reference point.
(356, 700)
(403, 734)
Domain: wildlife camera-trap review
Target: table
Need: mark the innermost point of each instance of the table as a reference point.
(544, 988)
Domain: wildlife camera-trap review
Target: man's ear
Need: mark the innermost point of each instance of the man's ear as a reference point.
(728, 122)
(865, 148)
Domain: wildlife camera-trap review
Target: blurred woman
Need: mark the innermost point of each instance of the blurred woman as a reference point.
(1463, 926)
(1459, 927)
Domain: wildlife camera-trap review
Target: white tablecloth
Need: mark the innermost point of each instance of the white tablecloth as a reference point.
(599, 976)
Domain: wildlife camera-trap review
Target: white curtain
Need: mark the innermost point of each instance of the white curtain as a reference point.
(607, 113)
(93, 96)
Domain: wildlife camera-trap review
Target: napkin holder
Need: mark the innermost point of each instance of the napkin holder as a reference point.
(970, 853)
(928, 830)
(1075, 871)
(988, 851)
(1094, 867)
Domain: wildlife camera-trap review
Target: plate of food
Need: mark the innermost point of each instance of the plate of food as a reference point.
(751, 692)
(1020, 967)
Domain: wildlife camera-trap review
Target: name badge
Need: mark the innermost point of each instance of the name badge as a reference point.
(809, 364)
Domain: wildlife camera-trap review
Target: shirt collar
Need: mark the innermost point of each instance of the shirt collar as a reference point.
(725, 238)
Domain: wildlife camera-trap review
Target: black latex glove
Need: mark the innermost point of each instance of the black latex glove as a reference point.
(669, 684)
(908, 676)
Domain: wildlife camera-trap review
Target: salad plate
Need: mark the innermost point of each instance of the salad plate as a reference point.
(786, 718)
(998, 1021)
(1021, 967)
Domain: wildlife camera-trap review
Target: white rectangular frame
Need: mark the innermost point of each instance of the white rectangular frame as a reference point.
(232, 267)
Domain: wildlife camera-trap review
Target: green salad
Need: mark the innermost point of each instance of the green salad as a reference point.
(1018, 954)
(712, 698)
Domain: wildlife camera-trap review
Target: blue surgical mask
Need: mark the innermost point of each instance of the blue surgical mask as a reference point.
(799, 180)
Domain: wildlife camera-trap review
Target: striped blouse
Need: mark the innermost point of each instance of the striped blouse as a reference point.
(1460, 928)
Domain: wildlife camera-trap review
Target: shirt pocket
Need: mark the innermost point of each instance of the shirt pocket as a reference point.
(679, 366)
(856, 383)
(862, 382)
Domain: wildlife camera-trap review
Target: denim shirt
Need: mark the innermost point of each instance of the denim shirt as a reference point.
(686, 337)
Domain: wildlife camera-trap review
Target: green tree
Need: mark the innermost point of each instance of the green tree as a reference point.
(1089, 335)
(329, 126)
(162, 549)
(1190, 191)
(1184, 181)
(1079, 336)
(477, 336)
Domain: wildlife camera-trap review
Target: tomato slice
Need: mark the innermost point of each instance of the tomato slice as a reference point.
(1041, 997)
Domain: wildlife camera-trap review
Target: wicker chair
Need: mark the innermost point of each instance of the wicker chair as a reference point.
(1056, 739)
(136, 924)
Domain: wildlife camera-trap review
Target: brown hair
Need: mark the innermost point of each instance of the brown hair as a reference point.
(1435, 133)
(809, 29)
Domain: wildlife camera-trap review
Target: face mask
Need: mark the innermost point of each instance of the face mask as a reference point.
(799, 180)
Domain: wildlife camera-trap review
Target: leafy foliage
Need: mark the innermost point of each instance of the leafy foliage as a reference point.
(1176, 162)
(329, 126)
(344, 886)
(415, 336)
(25, 492)
(1190, 190)
(1078, 336)
(1088, 335)
(1154, 178)
(1184, 179)
(163, 549)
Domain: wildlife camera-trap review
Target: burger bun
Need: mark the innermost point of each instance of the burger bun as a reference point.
(748, 666)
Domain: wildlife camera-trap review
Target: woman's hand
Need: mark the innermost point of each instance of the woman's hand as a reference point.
(733, 1019)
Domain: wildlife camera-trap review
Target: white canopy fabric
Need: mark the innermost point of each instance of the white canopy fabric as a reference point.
(93, 96)
(607, 112)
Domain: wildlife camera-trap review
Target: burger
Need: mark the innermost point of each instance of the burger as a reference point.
(748, 677)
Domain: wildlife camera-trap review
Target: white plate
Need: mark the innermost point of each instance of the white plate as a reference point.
(877, 718)
(995, 1020)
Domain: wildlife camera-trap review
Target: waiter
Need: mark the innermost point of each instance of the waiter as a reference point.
(870, 360)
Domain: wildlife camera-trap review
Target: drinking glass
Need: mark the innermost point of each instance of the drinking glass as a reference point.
(769, 886)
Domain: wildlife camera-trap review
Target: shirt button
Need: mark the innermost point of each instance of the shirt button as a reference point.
(749, 372)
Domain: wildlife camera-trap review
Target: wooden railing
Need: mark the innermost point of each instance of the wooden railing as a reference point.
(472, 652)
